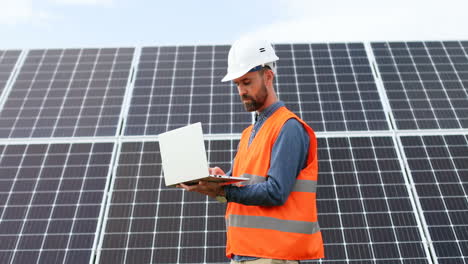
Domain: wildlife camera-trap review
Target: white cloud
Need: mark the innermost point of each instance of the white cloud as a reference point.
(84, 2)
(37, 13)
(15, 12)
(365, 20)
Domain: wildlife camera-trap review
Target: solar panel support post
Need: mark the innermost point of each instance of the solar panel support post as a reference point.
(11, 80)
(128, 92)
(414, 198)
(106, 201)
(380, 86)
(100, 227)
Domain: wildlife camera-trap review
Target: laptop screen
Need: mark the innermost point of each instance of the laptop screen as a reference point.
(183, 154)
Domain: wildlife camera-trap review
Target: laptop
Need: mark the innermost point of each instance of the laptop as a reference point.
(184, 160)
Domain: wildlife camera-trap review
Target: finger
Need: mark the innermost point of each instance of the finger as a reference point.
(217, 171)
(186, 187)
(212, 171)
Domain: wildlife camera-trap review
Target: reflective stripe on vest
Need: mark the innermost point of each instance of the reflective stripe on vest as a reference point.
(263, 222)
(300, 185)
(253, 179)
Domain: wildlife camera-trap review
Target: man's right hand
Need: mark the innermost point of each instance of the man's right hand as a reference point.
(216, 171)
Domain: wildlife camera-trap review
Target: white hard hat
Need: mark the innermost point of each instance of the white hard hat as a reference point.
(247, 54)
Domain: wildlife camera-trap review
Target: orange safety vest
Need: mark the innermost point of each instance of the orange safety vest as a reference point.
(289, 231)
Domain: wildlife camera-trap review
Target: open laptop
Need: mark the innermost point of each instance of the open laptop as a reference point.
(184, 160)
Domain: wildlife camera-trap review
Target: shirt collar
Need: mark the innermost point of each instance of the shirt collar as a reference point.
(268, 111)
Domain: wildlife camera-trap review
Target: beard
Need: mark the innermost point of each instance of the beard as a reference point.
(255, 103)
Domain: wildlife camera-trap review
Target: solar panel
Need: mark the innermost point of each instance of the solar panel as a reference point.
(176, 86)
(147, 222)
(439, 170)
(67, 93)
(365, 210)
(8, 59)
(330, 86)
(51, 198)
(426, 83)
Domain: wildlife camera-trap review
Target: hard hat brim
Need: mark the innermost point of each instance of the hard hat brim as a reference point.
(234, 75)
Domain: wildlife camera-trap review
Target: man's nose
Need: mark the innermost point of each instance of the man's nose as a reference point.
(241, 90)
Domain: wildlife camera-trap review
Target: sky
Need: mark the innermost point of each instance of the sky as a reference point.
(29, 24)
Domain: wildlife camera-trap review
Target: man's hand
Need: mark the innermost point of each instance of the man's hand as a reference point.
(211, 189)
(216, 171)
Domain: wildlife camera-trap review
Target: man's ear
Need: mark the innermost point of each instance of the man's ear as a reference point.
(268, 78)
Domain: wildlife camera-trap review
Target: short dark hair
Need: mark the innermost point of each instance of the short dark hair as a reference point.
(266, 67)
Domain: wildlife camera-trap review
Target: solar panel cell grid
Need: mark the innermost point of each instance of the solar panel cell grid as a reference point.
(48, 215)
(166, 225)
(425, 83)
(439, 169)
(365, 211)
(176, 86)
(330, 86)
(66, 93)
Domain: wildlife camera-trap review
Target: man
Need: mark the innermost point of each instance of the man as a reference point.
(272, 218)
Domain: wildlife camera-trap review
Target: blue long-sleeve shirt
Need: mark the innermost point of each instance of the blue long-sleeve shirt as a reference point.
(288, 158)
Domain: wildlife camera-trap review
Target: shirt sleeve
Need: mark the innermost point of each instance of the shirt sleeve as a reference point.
(288, 158)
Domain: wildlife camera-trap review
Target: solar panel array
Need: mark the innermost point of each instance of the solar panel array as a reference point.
(80, 171)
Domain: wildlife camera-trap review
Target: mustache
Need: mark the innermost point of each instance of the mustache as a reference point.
(245, 96)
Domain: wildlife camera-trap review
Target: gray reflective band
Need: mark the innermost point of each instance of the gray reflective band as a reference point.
(253, 179)
(263, 222)
(305, 186)
(300, 186)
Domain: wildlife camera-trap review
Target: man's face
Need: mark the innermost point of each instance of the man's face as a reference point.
(252, 91)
